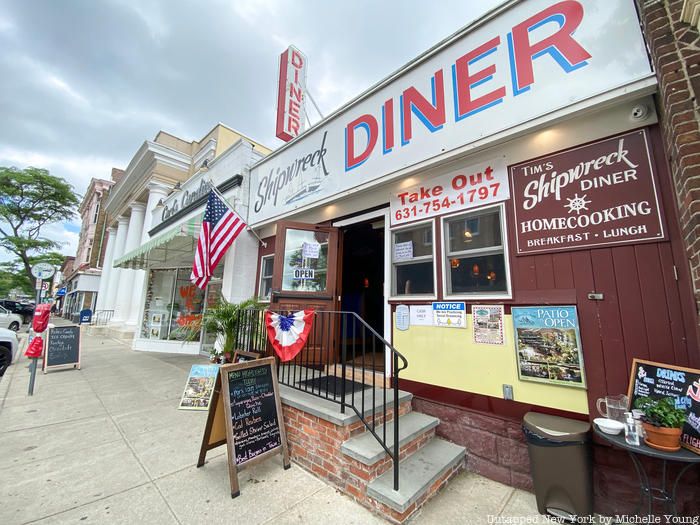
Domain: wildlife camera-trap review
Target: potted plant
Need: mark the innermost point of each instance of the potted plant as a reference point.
(662, 422)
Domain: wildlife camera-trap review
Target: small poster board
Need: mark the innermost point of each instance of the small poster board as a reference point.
(658, 380)
(488, 323)
(239, 356)
(62, 348)
(246, 415)
(421, 315)
(199, 388)
(402, 317)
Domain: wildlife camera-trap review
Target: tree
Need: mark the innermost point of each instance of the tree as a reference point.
(31, 199)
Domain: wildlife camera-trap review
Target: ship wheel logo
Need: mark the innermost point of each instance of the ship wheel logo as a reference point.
(577, 204)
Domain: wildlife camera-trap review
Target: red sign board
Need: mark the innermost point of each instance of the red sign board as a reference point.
(599, 194)
(291, 92)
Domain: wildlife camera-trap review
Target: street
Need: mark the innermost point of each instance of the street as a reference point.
(106, 444)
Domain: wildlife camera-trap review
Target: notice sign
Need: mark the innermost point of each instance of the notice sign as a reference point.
(488, 324)
(403, 251)
(450, 314)
(310, 250)
(476, 185)
(657, 380)
(595, 195)
(548, 345)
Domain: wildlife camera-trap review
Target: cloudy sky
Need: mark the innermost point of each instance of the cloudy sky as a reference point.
(85, 82)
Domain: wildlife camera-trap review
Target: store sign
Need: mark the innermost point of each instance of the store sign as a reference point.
(188, 198)
(531, 60)
(291, 92)
(596, 195)
(476, 185)
(449, 314)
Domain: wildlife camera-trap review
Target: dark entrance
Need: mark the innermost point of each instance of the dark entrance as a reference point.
(362, 282)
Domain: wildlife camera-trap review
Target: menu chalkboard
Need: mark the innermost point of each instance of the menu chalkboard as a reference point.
(254, 417)
(658, 380)
(62, 347)
(246, 415)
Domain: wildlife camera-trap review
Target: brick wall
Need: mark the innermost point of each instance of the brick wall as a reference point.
(675, 51)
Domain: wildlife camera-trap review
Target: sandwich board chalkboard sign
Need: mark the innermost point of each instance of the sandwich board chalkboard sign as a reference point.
(62, 348)
(657, 380)
(246, 415)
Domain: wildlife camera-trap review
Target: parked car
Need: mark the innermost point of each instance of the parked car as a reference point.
(8, 349)
(25, 311)
(9, 320)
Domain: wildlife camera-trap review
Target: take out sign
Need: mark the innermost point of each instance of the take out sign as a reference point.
(470, 187)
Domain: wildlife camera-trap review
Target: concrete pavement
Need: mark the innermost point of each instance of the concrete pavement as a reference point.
(106, 444)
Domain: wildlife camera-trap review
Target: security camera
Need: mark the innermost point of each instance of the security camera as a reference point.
(639, 112)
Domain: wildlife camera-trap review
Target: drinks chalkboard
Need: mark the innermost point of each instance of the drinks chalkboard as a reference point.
(657, 380)
(62, 347)
(247, 405)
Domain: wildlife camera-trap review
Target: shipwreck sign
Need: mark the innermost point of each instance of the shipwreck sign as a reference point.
(599, 194)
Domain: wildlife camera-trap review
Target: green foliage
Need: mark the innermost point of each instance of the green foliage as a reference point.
(225, 320)
(31, 199)
(661, 412)
(13, 276)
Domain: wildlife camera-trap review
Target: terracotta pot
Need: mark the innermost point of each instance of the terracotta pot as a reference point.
(662, 438)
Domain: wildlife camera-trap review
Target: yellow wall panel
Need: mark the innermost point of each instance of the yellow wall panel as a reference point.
(448, 357)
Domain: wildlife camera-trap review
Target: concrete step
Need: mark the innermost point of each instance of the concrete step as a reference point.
(366, 449)
(418, 472)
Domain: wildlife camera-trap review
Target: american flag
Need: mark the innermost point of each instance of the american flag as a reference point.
(220, 227)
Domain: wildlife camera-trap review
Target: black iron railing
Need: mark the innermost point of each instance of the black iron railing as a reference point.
(345, 361)
(101, 317)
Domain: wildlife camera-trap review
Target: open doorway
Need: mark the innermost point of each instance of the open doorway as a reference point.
(362, 280)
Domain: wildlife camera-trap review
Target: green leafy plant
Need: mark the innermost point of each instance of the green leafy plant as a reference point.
(661, 412)
(226, 320)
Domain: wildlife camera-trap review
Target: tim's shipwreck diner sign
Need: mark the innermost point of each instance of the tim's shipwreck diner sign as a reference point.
(599, 194)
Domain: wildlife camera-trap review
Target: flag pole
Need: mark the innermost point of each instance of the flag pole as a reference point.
(212, 186)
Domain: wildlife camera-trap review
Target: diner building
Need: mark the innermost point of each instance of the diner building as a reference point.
(501, 211)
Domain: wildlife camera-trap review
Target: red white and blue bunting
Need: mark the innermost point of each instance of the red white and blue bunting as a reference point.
(288, 333)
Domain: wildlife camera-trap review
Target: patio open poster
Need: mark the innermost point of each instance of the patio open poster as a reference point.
(548, 345)
(199, 387)
(488, 324)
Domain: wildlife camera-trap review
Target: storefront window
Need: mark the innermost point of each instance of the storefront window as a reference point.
(305, 261)
(412, 261)
(475, 261)
(172, 302)
(266, 266)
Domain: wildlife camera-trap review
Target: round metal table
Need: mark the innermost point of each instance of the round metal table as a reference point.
(648, 492)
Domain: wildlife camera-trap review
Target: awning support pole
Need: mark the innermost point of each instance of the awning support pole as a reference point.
(218, 194)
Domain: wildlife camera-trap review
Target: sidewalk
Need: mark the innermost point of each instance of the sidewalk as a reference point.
(106, 444)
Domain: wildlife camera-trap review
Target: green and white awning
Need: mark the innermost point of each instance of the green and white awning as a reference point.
(171, 248)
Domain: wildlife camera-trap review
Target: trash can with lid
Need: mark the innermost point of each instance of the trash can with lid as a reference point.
(561, 464)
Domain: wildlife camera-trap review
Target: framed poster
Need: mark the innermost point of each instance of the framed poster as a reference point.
(488, 324)
(548, 345)
(199, 388)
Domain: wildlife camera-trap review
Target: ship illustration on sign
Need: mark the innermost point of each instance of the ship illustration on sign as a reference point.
(305, 184)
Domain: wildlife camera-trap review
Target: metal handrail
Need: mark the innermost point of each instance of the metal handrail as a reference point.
(337, 338)
(101, 317)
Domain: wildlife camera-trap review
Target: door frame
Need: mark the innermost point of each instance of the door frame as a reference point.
(365, 217)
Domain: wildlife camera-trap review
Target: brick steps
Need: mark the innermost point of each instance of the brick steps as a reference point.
(420, 473)
(367, 450)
